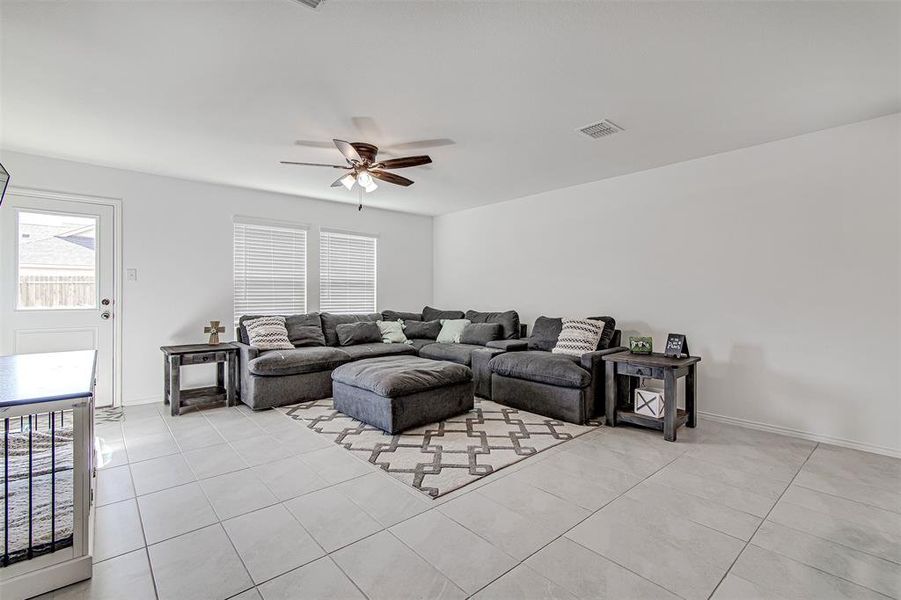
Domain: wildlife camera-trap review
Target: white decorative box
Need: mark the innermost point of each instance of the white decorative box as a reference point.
(649, 402)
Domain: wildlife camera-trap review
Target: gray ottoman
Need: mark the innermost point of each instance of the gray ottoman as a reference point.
(395, 393)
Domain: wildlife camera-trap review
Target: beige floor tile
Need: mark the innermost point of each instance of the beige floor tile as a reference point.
(332, 519)
(385, 569)
(316, 581)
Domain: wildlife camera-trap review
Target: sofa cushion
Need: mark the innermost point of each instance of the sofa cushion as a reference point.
(609, 330)
(543, 367)
(400, 376)
(422, 330)
(436, 314)
(364, 332)
(376, 349)
(394, 315)
(303, 330)
(297, 361)
(508, 320)
(458, 353)
(481, 333)
(331, 320)
(545, 333)
(419, 344)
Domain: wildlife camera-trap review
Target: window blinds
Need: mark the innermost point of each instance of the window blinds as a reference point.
(347, 274)
(270, 269)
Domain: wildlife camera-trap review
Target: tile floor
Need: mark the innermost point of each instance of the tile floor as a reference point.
(227, 503)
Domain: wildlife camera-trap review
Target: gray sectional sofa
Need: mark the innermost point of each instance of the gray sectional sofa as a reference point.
(522, 373)
(279, 377)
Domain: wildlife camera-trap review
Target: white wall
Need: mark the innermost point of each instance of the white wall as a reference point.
(780, 262)
(178, 235)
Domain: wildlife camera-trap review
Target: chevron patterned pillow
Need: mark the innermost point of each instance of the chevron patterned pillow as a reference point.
(268, 333)
(579, 336)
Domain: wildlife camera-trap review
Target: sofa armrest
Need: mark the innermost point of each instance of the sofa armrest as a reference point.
(481, 371)
(593, 360)
(246, 353)
(509, 345)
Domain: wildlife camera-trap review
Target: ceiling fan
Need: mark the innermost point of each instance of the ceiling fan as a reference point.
(362, 167)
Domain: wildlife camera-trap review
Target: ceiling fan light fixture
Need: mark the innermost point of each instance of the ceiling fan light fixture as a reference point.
(348, 181)
(364, 178)
(371, 187)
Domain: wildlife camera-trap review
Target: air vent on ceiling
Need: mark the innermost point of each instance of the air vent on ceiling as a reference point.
(600, 129)
(311, 3)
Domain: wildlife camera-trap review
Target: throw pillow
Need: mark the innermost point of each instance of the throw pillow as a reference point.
(422, 330)
(481, 333)
(545, 333)
(578, 337)
(392, 332)
(451, 330)
(268, 333)
(394, 315)
(508, 320)
(435, 314)
(362, 332)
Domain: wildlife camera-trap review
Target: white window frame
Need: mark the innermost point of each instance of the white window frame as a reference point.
(323, 273)
(239, 221)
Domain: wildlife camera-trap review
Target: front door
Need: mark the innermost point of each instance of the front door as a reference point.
(57, 278)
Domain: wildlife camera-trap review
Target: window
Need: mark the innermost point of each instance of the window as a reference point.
(347, 273)
(57, 263)
(270, 269)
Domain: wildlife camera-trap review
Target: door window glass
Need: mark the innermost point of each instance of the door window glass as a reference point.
(57, 261)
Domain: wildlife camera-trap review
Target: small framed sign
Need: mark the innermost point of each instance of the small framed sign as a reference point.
(676, 346)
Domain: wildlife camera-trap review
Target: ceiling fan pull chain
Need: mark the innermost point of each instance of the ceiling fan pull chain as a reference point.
(360, 206)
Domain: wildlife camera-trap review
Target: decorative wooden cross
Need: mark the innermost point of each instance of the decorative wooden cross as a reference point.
(214, 330)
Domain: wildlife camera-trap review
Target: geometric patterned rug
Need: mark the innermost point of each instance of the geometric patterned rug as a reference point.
(441, 457)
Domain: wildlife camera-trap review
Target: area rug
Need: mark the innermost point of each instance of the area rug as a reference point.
(444, 456)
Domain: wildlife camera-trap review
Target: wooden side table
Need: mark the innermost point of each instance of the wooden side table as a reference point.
(174, 357)
(655, 366)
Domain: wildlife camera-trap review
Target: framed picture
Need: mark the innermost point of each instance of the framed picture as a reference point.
(641, 345)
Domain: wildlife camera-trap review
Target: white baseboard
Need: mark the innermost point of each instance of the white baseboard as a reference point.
(804, 435)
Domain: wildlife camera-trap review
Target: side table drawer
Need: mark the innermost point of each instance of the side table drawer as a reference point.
(201, 358)
(639, 371)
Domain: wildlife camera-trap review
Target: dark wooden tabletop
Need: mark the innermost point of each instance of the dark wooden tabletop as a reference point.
(194, 348)
(33, 378)
(657, 359)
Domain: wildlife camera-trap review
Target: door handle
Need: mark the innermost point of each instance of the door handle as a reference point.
(106, 315)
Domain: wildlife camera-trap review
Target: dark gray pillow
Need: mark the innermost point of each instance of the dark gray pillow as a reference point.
(545, 333)
(351, 334)
(436, 314)
(481, 333)
(422, 330)
(303, 330)
(508, 320)
(331, 320)
(399, 315)
(606, 335)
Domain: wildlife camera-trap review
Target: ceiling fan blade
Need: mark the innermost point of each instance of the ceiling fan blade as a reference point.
(405, 161)
(349, 152)
(421, 144)
(306, 164)
(339, 182)
(391, 178)
(313, 144)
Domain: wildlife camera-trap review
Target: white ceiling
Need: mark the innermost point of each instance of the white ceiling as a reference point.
(220, 90)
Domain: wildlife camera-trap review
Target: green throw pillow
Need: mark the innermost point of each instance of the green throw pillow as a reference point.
(452, 330)
(392, 332)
